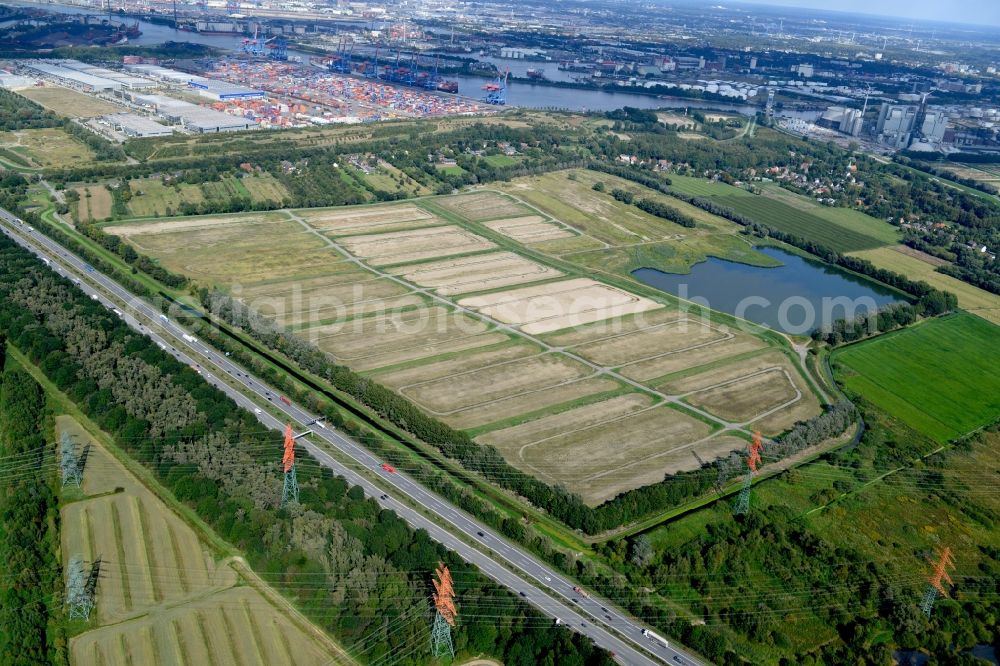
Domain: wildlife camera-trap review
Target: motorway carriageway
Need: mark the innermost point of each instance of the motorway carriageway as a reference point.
(540, 585)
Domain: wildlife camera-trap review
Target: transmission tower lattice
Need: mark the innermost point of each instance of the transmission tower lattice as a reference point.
(936, 588)
(290, 491)
(742, 503)
(79, 601)
(70, 463)
(444, 617)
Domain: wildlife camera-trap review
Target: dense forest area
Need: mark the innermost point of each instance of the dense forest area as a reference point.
(30, 575)
(216, 458)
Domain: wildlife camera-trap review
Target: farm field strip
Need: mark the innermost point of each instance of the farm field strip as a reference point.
(479, 272)
(594, 462)
(620, 350)
(651, 370)
(551, 307)
(530, 229)
(344, 313)
(366, 220)
(481, 206)
(722, 404)
(504, 379)
(532, 404)
(437, 368)
(399, 247)
(544, 428)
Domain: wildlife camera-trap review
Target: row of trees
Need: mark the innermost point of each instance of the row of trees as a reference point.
(356, 569)
(651, 206)
(18, 113)
(30, 580)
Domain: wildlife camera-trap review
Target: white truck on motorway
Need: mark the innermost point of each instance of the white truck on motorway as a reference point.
(189, 338)
(655, 637)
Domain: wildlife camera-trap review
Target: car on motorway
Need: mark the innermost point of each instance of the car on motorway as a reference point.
(480, 534)
(257, 410)
(523, 595)
(88, 268)
(386, 466)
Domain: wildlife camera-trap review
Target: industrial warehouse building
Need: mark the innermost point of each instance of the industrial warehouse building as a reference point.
(73, 78)
(193, 117)
(222, 90)
(132, 124)
(80, 75)
(210, 88)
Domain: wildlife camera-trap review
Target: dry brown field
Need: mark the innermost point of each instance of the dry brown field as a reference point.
(528, 230)
(399, 247)
(480, 206)
(479, 272)
(163, 597)
(368, 219)
(551, 307)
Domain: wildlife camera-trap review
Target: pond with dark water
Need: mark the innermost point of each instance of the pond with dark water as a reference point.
(797, 297)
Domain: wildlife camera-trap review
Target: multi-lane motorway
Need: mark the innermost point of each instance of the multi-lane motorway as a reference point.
(507, 564)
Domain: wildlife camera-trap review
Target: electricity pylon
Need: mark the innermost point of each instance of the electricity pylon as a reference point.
(79, 601)
(290, 491)
(936, 588)
(742, 503)
(444, 617)
(69, 462)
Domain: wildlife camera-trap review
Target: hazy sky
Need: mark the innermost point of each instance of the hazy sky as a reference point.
(961, 11)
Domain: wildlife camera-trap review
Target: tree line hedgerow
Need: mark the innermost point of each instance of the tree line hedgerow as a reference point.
(30, 582)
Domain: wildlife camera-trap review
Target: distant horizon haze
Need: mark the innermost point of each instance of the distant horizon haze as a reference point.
(973, 12)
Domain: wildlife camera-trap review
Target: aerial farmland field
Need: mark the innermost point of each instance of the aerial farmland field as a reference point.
(163, 596)
(933, 376)
(453, 303)
(68, 102)
(46, 147)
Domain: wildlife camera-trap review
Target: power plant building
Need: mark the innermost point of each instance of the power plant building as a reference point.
(895, 124)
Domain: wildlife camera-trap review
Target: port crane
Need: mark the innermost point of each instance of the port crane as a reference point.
(496, 91)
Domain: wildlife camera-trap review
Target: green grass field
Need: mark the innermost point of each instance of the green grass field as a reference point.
(699, 187)
(841, 229)
(938, 377)
(779, 215)
(151, 198)
(500, 160)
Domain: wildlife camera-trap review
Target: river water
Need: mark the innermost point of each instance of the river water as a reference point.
(797, 297)
(518, 93)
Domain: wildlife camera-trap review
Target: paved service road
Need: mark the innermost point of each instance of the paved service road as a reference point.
(539, 584)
